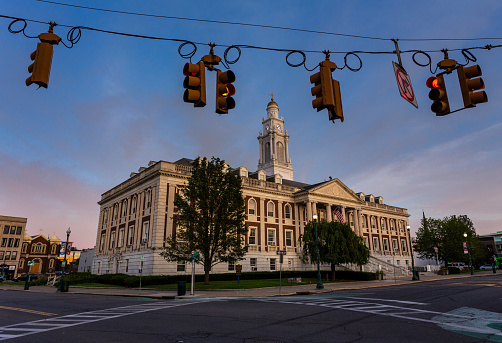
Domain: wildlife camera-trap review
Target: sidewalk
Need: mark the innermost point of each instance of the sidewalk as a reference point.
(248, 293)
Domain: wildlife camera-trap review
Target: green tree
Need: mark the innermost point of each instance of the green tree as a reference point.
(210, 217)
(447, 235)
(338, 244)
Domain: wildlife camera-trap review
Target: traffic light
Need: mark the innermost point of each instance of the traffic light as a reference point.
(224, 91)
(40, 69)
(195, 84)
(438, 94)
(468, 85)
(327, 91)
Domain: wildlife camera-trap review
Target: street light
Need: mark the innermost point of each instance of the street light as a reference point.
(319, 281)
(61, 287)
(469, 252)
(437, 259)
(415, 274)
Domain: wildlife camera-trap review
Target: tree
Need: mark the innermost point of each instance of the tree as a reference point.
(447, 235)
(338, 244)
(210, 217)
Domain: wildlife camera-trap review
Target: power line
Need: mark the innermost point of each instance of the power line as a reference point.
(265, 26)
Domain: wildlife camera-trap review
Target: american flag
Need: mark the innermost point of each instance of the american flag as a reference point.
(339, 215)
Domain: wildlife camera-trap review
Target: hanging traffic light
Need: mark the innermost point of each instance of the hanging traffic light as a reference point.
(40, 69)
(195, 84)
(327, 91)
(224, 91)
(468, 85)
(438, 94)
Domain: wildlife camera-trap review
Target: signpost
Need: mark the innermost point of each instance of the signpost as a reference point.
(404, 84)
(281, 253)
(140, 271)
(195, 254)
(238, 271)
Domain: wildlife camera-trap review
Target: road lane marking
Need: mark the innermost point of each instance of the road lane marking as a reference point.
(27, 310)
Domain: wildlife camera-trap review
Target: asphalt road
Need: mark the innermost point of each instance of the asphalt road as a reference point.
(460, 310)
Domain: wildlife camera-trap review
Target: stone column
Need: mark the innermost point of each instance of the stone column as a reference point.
(261, 230)
(329, 217)
(342, 209)
(314, 210)
(357, 226)
(309, 211)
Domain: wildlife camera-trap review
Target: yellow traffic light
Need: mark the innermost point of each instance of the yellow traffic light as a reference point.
(468, 85)
(441, 105)
(327, 91)
(195, 84)
(224, 91)
(40, 69)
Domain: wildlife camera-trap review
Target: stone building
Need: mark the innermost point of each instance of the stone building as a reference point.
(11, 235)
(136, 216)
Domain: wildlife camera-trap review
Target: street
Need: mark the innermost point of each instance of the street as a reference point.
(463, 310)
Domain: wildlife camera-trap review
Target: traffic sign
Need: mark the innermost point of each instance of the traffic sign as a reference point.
(404, 84)
(30, 263)
(195, 254)
(281, 252)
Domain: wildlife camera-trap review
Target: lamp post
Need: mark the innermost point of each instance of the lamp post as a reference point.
(437, 258)
(469, 252)
(61, 282)
(415, 274)
(319, 281)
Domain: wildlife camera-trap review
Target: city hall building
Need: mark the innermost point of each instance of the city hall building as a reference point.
(136, 216)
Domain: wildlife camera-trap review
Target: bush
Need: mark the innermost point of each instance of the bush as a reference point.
(39, 282)
(453, 270)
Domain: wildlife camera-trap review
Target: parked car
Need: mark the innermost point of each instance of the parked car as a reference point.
(459, 265)
(2, 278)
(486, 266)
(25, 276)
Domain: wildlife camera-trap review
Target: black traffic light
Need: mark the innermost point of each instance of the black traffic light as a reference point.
(195, 84)
(468, 85)
(40, 69)
(224, 91)
(438, 94)
(327, 91)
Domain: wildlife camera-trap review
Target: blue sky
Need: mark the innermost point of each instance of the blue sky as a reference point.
(114, 103)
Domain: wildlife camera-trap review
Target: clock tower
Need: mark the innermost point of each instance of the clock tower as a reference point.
(274, 151)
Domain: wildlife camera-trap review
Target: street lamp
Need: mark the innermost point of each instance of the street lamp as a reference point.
(319, 281)
(469, 252)
(61, 287)
(437, 259)
(415, 274)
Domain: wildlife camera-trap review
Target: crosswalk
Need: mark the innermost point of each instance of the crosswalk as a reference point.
(43, 325)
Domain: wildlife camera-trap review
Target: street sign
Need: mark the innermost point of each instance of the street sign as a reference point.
(238, 269)
(195, 254)
(281, 252)
(404, 84)
(30, 263)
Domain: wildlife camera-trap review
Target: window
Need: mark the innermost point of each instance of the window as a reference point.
(11, 242)
(146, 229)
(280, 152)
(105, 218)
(21, 263)
(401, 226)
(392, 225)
(148, 198)
(270, 209)
(126, 265)
(124, 208)
(1, 255)
(252, 236)
(12, 230)
(4, 242)
(16, 242)
(25, 248)
(271, 237)
(403, 245)
(6, 229)
(51, 264)
(38, 248)
(115, 213)
(252, 263)
(112, 240)
(102, 245)
(99, 267)
(231, 266)
(375, 244)
(272, 264)
(365, 239)
(394, 245)
(289, 238)
(252, 207)
(373, 224)
(287, 211)
(385, 244)
(351, 220)
(383, 223)
(19, 229)
(120, 242)
(364, 222)
(130, 237)
(134, 203)
(398, 262)
(53, 249)
(7, 255)
(181, 266)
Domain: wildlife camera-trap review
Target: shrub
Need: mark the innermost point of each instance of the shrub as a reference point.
(453, 270)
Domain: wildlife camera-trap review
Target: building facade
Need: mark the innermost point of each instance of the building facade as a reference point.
(11, 235)
(136, 216)
(43, 252)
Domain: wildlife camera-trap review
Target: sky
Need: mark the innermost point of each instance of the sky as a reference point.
(115, 102)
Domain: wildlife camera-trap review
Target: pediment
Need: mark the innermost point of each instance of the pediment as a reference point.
(337, 189)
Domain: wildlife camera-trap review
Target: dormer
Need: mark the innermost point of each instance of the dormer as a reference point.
(151, 163)
(361, 196)
(379, 200)
(278, 178)
(243, 171)
(370, 198)
(262, 175)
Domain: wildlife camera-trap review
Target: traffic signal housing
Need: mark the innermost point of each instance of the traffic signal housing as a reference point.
(224, 91)
(470, 82)
(327, 91)
(40, 69)
(438, 94)
(195, 84)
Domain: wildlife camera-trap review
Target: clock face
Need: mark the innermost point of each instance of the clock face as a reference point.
(267, 127)
(278, 127)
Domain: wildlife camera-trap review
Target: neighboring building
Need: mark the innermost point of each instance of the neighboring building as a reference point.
(85, 260)
(11, 235)
(137, 215)
(493, 243)
(44, 253)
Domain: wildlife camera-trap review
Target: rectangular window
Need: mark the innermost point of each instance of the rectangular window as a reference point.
(7, 255)
(403, 245)
(252, 263)
(51, 264)
(181, 267)
(394, 245)
(289, 238)
(272, 264)
(271, 237)
(21, 264)
(120, 242)
(231, 266)
(146, 229)
(375, 244)
(398, 262)
(102, 245)
(99, 267)
(6, 229)
(19, 229)
(16, 242)
(12, 230)
(14, 255)
(366, 242)
(130, 237)
(4, 242)
(112, 240)
(1, 255)
(252, 236)
(25, 248)
(11, 242)
(126, 265)
(385, 244)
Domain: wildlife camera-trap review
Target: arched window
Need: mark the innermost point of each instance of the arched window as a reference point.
(252, 207)
(124, 208)
(53, 249)
(270, 209)
(21, 263)
(267, 152)
(115, 212)
(134, 203)
(280, 152)
(287, 211)
(382, 223)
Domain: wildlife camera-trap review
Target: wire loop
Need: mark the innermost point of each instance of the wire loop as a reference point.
(469, 57)
(297, 64)
(190, 54)
(346, 65)
(21, 30)
(225, 54)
